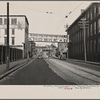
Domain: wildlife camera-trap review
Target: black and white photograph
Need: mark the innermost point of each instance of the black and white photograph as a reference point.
(50, 43)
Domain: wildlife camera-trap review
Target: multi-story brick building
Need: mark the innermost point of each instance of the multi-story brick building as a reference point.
(18, 32)
(76, 35)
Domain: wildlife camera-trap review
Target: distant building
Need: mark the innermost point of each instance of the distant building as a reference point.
(32, 48)
(18, 32)
(76, 35)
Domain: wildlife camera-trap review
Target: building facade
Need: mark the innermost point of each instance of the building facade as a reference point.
(18, 32)
(92, 28)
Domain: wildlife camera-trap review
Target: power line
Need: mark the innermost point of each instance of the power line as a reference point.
(36, 10)
(49, 12)
(69, 15)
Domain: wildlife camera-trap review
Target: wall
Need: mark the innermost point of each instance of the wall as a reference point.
(21, 35)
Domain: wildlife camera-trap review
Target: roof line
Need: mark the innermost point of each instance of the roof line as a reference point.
(16, 16)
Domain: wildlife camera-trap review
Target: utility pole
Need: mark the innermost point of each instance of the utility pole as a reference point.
(67, 41)
(83, 24)
(7, 63)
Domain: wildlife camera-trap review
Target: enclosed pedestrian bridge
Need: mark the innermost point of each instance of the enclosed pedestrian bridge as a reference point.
(47, 38)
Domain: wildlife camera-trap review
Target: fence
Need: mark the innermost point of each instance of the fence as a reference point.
(15, 54)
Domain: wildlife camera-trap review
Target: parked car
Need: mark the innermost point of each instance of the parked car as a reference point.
(40, 57)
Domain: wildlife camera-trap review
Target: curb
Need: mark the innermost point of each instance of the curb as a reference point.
(13, 69)
(88, 62)
(75, 60)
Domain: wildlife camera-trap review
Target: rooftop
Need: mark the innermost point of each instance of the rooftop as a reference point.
(16, 16)
(83, 12)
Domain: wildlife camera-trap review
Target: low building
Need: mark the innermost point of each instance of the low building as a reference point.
(32, 48)
(18, 32)
(92, 28)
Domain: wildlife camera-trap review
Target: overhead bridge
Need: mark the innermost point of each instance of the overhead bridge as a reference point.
(47, 38)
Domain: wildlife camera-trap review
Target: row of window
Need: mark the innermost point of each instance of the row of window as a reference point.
(12, 40)
(91, 30)
(89, 16)
(93, 12)
(5, 32)
(4, 21)
(93, 46)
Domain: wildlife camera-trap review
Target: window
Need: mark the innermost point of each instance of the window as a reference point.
(5, 21)
(98, 45)
(14, 21)
(13, 40)
(87, 46)
(82, 48)
(5, 40)
(13, 31)
(91, 30)
(94, 11)
(88, 32)
(82, 35)
(0, 21)
(98, 25)
(98, 9)
(94, 27)
(88, 15)
(91, 14)
(79, 35)
(91, 46)
(94, 46)
(5, 31)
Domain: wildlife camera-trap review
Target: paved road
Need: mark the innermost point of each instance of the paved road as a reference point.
(36, 73)
(81, 74)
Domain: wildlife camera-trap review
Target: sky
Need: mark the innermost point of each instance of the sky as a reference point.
(47, 17)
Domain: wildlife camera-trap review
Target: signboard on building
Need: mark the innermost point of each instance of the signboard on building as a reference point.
(47, 38)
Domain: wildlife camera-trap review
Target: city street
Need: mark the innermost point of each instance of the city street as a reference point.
(51, 71)
(36, 73)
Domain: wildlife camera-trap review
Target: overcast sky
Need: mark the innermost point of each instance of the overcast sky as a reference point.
(47, 17)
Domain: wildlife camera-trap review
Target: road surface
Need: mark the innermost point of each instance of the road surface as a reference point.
(50, 71)
(36, 73)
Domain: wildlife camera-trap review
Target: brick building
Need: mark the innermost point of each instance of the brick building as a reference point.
(76, 35)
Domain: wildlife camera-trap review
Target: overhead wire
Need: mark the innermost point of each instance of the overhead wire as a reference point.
(49, 12)
(68, 15)
(36, 10)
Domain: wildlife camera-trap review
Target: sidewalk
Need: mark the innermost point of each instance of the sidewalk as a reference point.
(12, 65)
(82, 61)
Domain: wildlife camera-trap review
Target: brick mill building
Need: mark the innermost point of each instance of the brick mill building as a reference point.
(76, 35)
